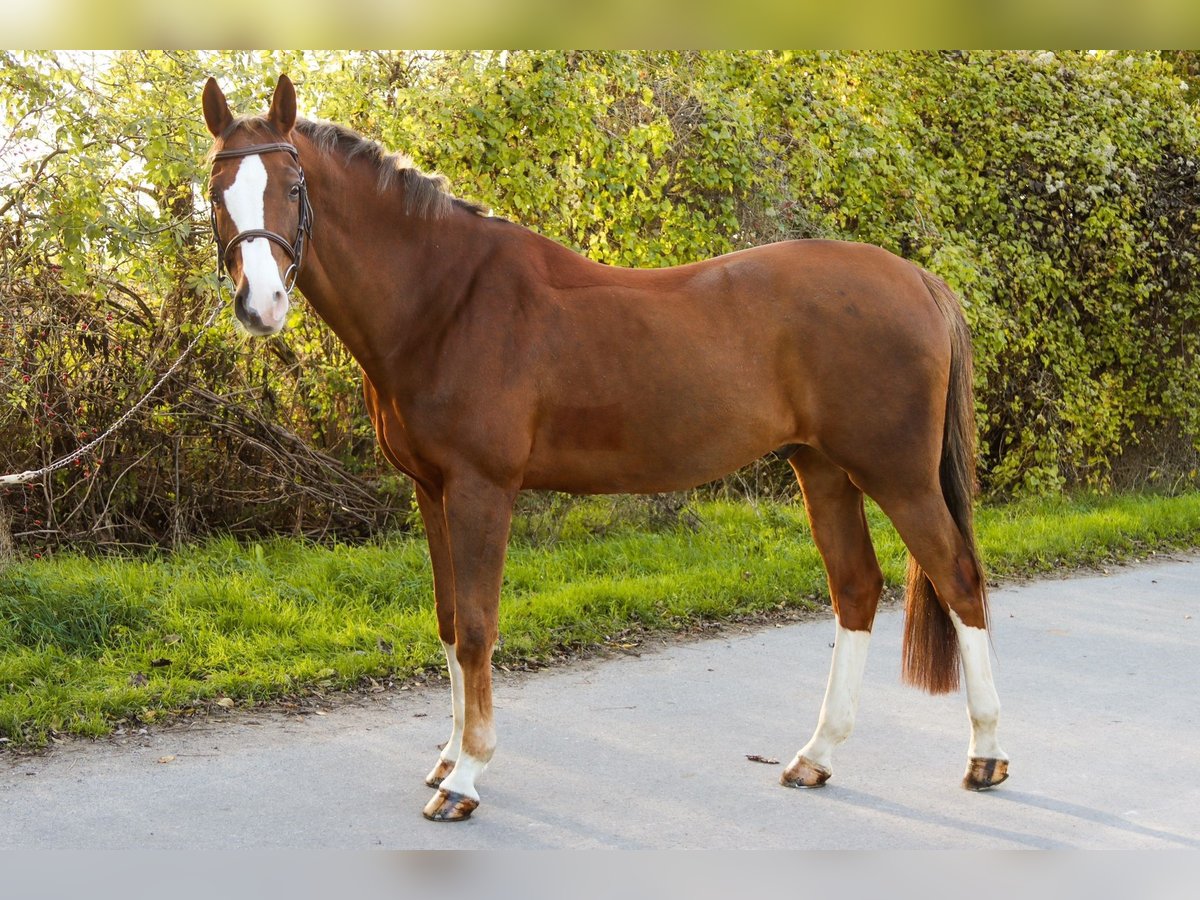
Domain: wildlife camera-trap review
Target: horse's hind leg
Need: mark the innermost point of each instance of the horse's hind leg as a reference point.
(933, 537)
(839, 526)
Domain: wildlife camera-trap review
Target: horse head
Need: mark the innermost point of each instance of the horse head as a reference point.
(258, 195)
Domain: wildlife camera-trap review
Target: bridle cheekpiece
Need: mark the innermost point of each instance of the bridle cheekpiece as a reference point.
(295, 248)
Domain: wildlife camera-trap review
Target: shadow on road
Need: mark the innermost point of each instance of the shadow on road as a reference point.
(875, 803)
(1096, 816)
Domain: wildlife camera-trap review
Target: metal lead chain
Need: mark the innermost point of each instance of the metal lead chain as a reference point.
(35, 474)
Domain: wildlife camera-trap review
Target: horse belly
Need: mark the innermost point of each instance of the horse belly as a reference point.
(613, 448)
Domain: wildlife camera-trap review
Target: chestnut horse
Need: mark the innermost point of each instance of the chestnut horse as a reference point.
(495, 360)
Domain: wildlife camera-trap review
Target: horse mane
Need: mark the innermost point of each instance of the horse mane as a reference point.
(426, 195)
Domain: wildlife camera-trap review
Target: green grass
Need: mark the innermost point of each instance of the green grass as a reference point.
(86, 643)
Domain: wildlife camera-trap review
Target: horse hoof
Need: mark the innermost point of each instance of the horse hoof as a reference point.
(449, 806)
(804, 773)
(984, 773)
(443, 768)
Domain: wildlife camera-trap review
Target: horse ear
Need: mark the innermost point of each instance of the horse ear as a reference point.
(283, 106)
(216, 109)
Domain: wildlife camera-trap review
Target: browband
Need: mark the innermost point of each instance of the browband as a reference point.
(255, 149)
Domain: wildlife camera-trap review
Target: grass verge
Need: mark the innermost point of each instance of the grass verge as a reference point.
(87, 644)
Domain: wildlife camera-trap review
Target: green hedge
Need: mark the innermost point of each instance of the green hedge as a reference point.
(1057, 192)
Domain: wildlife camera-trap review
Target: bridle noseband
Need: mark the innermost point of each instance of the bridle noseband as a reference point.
(294, 249)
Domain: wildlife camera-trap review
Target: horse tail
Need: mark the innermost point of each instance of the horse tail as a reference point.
(930, 641)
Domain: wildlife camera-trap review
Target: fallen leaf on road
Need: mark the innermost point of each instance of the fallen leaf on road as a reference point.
(168, 758)
(754, 757)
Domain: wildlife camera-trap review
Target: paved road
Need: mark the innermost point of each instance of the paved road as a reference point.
(1098, 676)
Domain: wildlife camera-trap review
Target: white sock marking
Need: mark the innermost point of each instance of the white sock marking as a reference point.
(458, 705)
(983, 705)
(841, 696)
(466, 767)
(462, 779)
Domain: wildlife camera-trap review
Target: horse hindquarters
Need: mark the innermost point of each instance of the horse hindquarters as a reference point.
(946, 609)
(923, 480)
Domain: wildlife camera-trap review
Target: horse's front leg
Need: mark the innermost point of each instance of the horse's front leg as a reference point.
(477, 514)
(433, 514)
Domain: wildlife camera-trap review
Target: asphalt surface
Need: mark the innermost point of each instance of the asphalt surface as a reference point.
(1098, 676)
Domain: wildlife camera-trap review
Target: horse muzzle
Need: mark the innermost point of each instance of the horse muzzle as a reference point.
(261, 319)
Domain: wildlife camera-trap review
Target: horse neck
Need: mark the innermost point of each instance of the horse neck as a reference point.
(373, 269)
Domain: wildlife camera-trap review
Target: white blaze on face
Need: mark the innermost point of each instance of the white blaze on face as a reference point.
(245, 203)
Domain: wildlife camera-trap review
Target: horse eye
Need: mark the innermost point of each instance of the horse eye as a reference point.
(294, 192)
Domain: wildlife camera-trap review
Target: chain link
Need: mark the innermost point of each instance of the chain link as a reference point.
(295, 250)
(35, 474)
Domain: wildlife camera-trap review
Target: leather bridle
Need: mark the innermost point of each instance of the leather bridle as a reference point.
(295, 248)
